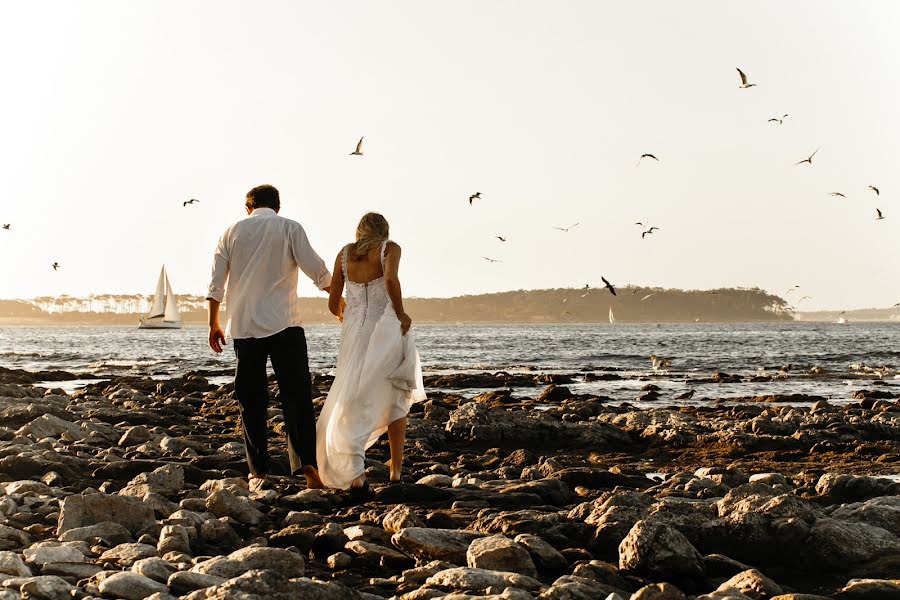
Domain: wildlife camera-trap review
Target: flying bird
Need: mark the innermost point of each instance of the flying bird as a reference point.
(500, 237)
(55, 266)
(491, 260)
(475, 196)
(804, 298)
(807, 160)
(566, 229)
(744, 82)
(840, 195)
(358, 151)
(6, 226)
(639, 223)
(643, 156)
(648, 296)
(648, 231)
(792, 289)
(880, 216)
(609, 286)
(875, 189)
(660, 362)
(191, 201)
(779, 120)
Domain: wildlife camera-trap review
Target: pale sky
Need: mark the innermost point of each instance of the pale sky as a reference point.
(113, 113)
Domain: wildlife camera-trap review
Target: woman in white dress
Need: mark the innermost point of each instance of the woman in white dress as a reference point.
(378, 374)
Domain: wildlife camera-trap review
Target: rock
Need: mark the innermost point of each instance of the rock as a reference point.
(328, 540)
(173, 538)
(308, 499)
(752, 583)
(112, 533)
(90, 509)
(12, 565)
(499, 553)
(130, 586)
(10, 538)
(659, 550)
(276, 559)
(126, 555)
(436, 480)
(272, 585)
(658, 591)
(167, 480)
(546, 558)
(400, 517)
(43, 553)
(184, 582)
(881, 512)
(839, 545)
(869, 589)
(223, 503)
(218, 532)
(435, 544)
(293, 535)
(156, 569)
(378, 555)
(45, 587)
(480, 580)
(50, 426)
(135, 436)
(339, 560)
(571, 587)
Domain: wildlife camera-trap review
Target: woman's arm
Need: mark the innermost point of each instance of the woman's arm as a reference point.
(335, 294)
(392, 283)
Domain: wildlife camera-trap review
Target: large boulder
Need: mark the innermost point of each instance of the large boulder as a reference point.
(479, 580)
(91, 509)
(130, 586)
(272, 585)
(659, 551)
(50, 426)
(499, 553)
(435, 544)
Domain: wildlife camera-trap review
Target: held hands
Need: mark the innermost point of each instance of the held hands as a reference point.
(405, 323)
(216, 338)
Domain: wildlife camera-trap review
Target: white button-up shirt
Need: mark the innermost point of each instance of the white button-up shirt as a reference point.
(259, 257)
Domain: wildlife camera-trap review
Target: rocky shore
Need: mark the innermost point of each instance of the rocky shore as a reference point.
(135, 488)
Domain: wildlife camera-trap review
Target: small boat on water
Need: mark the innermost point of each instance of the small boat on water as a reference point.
(612, 318)
(164, 313)
(841, 320)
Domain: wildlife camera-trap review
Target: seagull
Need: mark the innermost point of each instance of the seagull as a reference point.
(639, 223)
(875, 189)
(837, 194)
(500, 237)
(643, 156)
(660, 362)
(648, 231)
(792, 289)
(6, 226)
(744, 84)
(648, 296)
(609, 286)
(358, 151)
(491, 260)
(880, 216)
(807, 160)
(475, 196)
(55, 266)
(778, 120)
(566, 229)
(191, 201)
(804, 298)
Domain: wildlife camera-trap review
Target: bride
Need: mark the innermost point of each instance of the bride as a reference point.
(378, 373)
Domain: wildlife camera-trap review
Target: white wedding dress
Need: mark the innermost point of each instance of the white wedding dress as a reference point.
(378, 378)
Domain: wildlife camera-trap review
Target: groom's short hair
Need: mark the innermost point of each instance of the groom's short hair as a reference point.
(264, 196)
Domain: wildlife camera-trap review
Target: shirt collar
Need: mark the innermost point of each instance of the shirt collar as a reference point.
(262, 212)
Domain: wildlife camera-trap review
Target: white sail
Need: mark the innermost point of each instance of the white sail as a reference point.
(612, 319)
(172, 313)
(158, 308)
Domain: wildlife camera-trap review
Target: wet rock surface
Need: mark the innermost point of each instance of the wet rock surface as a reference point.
(136, 488)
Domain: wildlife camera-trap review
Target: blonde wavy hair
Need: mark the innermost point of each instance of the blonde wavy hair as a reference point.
(373, 229)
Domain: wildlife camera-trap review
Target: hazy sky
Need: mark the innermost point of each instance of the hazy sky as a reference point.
(113, 113)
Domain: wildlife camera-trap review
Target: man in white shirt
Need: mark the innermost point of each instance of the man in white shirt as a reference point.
(259, 257)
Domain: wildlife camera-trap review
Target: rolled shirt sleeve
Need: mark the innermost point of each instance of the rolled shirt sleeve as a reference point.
(308, 260)
(219, 278)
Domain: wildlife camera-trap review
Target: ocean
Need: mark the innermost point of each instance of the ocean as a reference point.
(825, 359)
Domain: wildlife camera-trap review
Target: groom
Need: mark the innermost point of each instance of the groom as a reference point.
(259, 257)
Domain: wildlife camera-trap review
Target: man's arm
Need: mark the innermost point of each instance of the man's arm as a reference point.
(308, 260)
(216, 335)
(216, 293)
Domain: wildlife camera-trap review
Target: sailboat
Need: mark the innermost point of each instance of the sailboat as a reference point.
(164, 312)
(612, 319)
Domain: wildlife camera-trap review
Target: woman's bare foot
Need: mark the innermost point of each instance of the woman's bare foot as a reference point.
(313, 481)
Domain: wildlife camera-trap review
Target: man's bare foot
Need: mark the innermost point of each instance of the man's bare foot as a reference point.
(313, 481)
(258, 483)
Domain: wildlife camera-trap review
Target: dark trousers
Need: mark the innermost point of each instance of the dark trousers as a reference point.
(287, 349)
